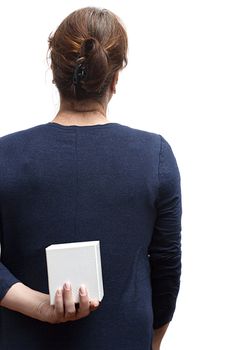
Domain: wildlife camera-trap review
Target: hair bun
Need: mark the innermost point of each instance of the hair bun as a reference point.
(88, 48)
(88, 45)
(95, 60)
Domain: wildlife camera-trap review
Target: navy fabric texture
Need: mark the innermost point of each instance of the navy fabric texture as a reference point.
(107, 182)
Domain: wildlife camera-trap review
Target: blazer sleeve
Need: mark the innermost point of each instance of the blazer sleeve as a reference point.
(7, 279)
(165, 247)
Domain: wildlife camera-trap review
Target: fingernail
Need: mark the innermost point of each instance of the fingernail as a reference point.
(96, 303)
(67, 286)
(59, 291)
(82, 290)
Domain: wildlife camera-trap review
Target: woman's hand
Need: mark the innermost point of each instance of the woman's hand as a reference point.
(64, 308)
(35, 304)
(158, 336)
(155, 346)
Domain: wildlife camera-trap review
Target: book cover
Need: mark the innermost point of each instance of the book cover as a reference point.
(77, 263)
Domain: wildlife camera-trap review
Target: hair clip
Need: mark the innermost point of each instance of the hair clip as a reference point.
(79, 73)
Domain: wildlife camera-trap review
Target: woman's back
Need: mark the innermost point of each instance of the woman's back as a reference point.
(76, 183)
(65, 182)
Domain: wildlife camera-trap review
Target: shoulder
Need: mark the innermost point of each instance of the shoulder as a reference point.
(156, 146)
(17, 142)
(140, 135)
(19, 134)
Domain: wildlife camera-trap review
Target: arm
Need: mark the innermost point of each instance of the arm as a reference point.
(165, 247)
(158, 336)
(35, 304)
(22, 299)
(7, 279)
(15, 296)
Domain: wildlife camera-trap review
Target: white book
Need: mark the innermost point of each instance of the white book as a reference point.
(77, 263)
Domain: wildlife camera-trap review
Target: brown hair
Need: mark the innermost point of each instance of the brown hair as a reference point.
(87, 49)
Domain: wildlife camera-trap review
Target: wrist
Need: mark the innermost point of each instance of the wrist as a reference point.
(158, 336)
(23, 299)
(40, 300)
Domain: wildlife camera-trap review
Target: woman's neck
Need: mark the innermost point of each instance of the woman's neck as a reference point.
(81, 113)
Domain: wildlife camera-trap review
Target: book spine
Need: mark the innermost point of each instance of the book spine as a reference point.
(98, 271)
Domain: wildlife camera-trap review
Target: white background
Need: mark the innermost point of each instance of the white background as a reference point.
(179, 83)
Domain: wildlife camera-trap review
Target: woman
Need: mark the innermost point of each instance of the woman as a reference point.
(81, 177)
